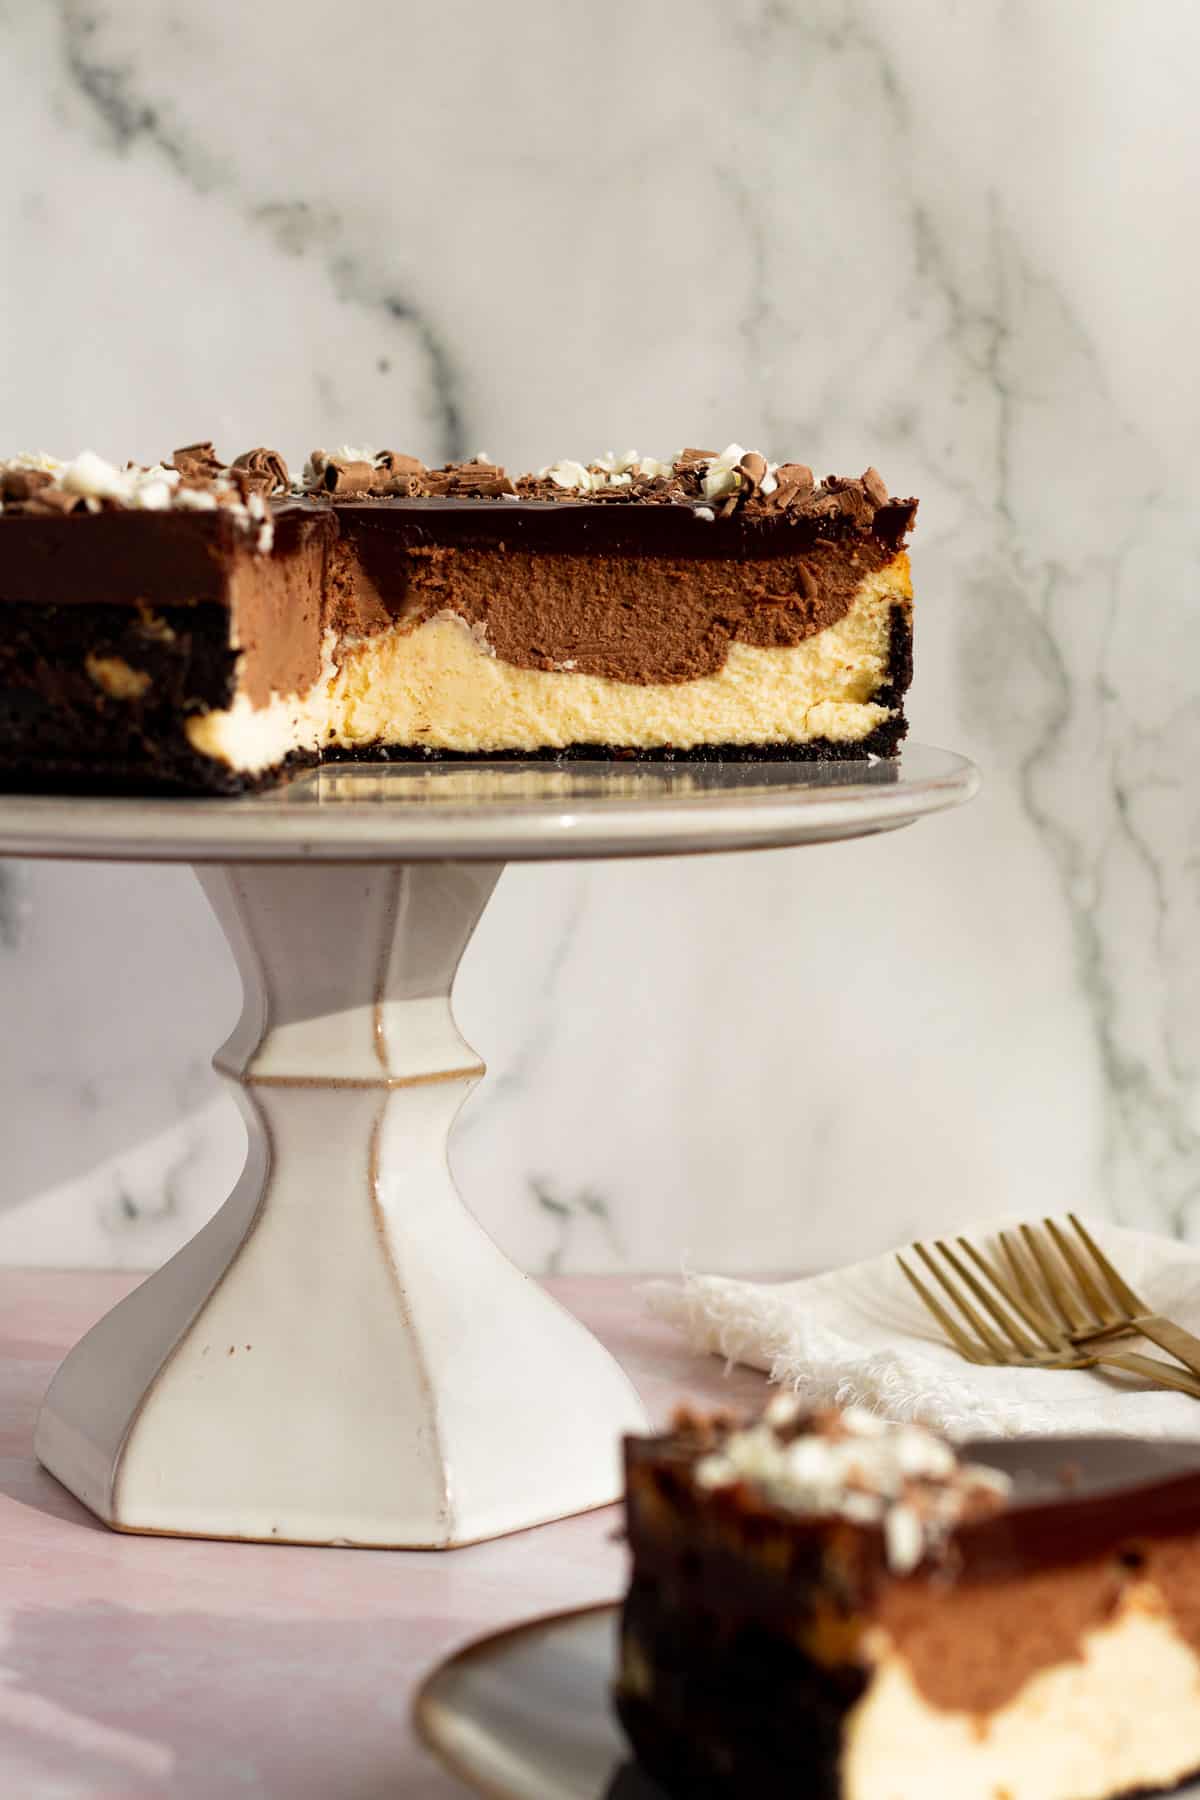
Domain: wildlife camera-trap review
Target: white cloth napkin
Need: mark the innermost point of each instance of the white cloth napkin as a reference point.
(860, 1334)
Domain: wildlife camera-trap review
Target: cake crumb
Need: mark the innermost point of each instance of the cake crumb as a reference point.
(114, 676)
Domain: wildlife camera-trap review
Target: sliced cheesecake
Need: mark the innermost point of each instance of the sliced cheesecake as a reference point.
(830, 1607)
(206, 627)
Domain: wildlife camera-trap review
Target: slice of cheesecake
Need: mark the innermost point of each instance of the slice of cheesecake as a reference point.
(208, 627)
(830, 1607)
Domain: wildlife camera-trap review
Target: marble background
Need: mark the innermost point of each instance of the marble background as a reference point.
(954, 239)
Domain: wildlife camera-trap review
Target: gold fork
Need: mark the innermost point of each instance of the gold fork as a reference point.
(1100, 1291)
(1019, 1333)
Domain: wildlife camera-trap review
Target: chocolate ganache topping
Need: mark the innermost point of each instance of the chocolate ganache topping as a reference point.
(711, 484)
(261, 471)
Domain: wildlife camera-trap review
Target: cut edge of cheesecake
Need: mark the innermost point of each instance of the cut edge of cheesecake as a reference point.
(436, 688)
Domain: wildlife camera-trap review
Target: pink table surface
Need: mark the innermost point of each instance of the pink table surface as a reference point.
(142, 1666)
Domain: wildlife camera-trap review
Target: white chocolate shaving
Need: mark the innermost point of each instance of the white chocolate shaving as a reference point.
(721, 478)
(93, 478)
(855, 1466)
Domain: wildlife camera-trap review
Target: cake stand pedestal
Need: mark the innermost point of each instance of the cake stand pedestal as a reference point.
(342, 1355)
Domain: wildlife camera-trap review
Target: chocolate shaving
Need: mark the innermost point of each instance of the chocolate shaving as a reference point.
(57, 500)
(793, 487)
(876, 487)
(261, 471)
(537, 487)
(199, 462)
(852, 499)
(703, 1430)
(796, 477)
(23, 484)
(35, 491)
(398, 474)
(342, 478)
(393, 462)
(823, 505)
(752, 470)
(469, 481)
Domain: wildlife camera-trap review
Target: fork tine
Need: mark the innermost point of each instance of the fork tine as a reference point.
(1008, 1325)
(997, 1351)
(1100, 1308)
(954, 1331)
(1050, 1334)
(1026, 1308)
(1120, 1289)
(1057, 1289)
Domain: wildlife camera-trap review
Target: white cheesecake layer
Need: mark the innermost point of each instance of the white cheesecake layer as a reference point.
(1125, 1716)
(439, 685)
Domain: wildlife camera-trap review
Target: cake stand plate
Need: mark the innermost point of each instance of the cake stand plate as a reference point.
(527, 1713)
(342, 1355)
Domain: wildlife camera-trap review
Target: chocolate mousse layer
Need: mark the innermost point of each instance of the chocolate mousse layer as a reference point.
(637, 594)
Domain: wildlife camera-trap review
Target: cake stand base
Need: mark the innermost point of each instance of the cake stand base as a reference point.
(342, 1355)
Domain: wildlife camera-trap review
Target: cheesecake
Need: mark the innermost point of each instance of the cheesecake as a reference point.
(830, 1606)
(208, 627)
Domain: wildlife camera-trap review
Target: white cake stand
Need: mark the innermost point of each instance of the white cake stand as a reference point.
(342, 1355)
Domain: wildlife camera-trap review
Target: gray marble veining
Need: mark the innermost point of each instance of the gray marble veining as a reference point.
(946, 239)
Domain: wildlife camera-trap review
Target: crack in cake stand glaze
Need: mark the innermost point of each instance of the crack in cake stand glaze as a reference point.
(342, 1355)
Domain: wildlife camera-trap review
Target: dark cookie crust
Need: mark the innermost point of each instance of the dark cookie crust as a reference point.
(722, 1721)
